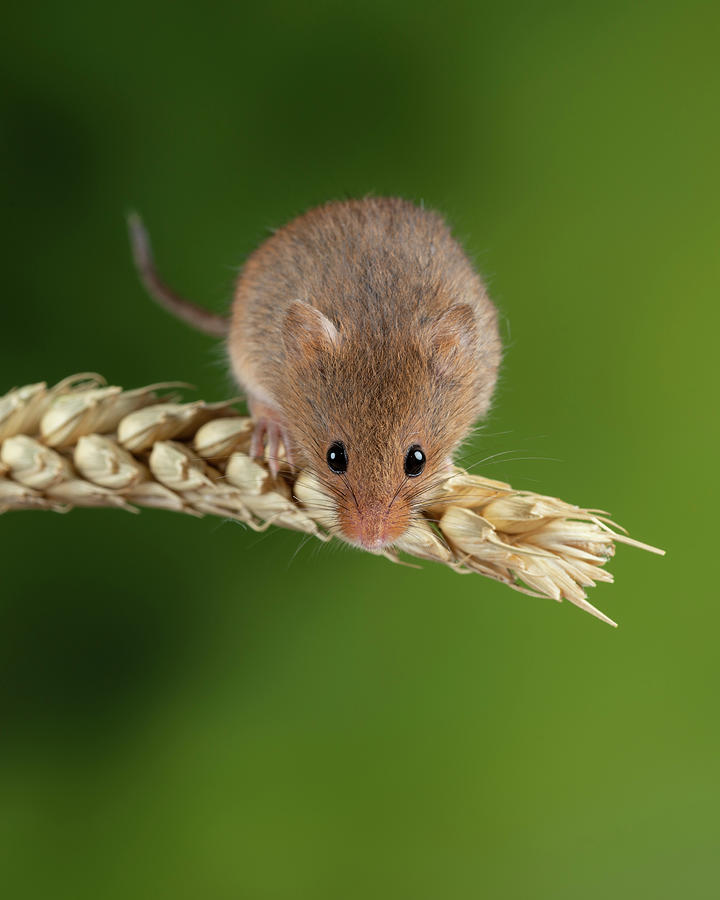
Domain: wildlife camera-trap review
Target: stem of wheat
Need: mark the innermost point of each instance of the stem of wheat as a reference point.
(84, 443)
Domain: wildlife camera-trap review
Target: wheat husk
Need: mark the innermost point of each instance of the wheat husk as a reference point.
(83, 443)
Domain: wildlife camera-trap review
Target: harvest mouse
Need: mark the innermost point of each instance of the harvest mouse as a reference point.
(366, 345)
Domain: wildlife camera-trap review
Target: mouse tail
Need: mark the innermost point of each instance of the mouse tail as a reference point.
(196, 316)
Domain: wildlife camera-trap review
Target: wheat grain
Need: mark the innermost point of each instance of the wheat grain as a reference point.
(83, 443)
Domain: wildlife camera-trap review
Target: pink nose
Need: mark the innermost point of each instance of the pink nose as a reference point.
(373, 528)
(372, 532)
(373, 523)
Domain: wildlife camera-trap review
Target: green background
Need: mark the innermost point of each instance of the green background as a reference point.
(191, 710)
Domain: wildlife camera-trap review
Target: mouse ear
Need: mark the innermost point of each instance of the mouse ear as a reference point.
(455, 331)
(306, 330)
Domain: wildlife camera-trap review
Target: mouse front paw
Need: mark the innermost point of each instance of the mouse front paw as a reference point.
(270, 440)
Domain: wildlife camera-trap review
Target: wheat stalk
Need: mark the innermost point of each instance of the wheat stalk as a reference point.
(83, 443)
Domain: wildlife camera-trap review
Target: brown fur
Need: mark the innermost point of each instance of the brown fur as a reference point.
(395, 343)
(362, 322)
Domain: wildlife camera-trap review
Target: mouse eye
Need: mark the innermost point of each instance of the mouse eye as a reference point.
(414, 461)
(337, 458)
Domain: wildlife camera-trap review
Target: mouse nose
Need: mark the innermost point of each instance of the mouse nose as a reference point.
(368, 531)
(372, 529)
(372, 535)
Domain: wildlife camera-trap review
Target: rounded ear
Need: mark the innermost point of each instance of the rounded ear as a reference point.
(306, 331)
(455, 331)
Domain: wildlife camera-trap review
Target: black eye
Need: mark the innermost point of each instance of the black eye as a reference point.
(414, 461)
(337, 457)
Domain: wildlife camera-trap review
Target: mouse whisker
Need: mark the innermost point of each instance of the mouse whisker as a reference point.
(280, 459)
(481, 462)
(395, 495)
(299, 547)
(495, 462)
(344, 478)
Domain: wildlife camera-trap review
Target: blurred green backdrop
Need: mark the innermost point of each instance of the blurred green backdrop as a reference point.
(191, 710)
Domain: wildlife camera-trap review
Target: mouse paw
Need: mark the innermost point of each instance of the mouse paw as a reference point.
(269, 436)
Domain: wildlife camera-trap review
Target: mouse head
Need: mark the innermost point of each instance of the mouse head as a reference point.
(376, 413)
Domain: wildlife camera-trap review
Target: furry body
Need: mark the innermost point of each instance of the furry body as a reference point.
(364, 322)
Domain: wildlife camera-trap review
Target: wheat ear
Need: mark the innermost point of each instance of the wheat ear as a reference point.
(83, 443)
